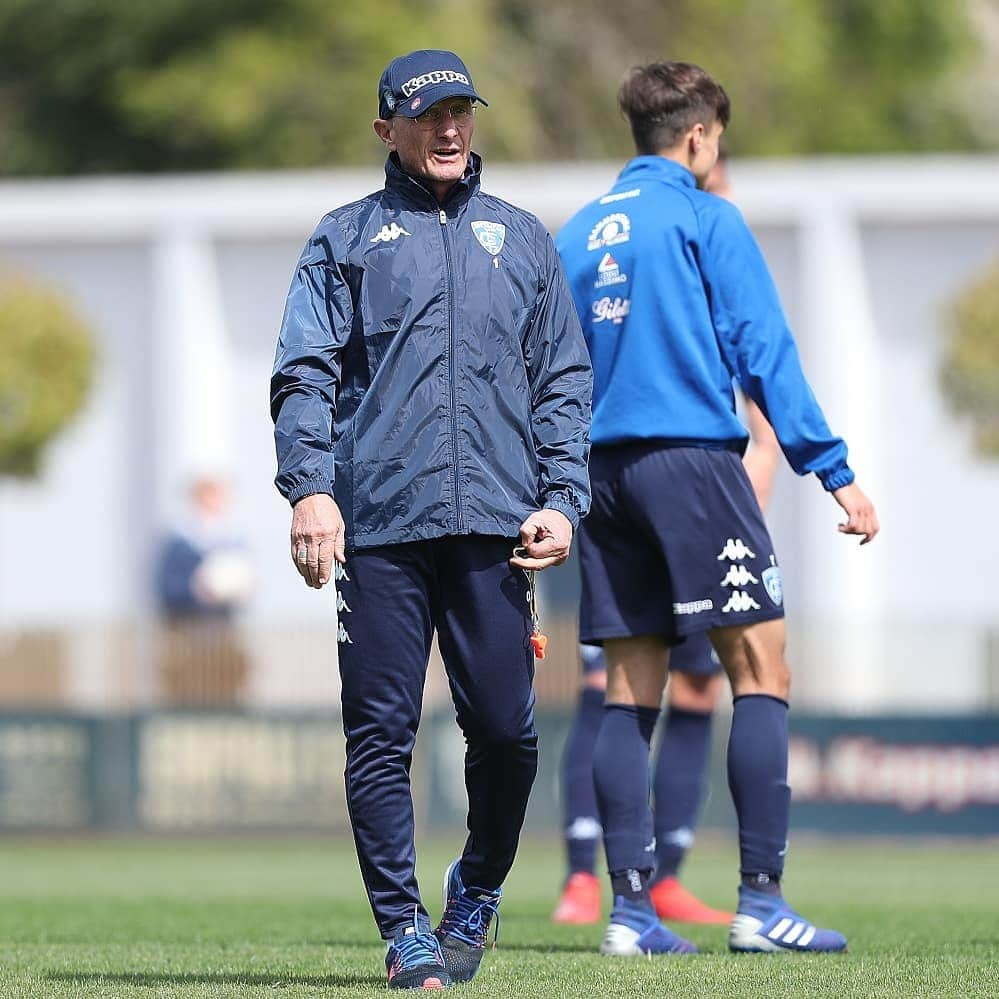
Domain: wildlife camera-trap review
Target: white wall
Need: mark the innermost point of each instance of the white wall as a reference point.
(173, 270)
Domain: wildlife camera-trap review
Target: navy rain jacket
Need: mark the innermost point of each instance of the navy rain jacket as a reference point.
(443, 344)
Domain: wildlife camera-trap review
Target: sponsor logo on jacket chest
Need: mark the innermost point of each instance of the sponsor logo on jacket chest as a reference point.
(612, 310)
(609, 273)
(610, 231)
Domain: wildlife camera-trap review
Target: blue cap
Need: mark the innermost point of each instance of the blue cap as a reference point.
(412, 83)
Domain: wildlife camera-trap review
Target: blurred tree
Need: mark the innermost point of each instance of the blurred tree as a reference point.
(94, 85)
(970, 370)
(46, 368)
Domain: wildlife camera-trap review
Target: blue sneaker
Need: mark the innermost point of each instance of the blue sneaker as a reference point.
(634, 930)
(414, 960)
(464, 926)
(766, 924)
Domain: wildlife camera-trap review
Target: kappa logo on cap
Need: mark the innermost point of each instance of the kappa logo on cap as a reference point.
(411, 86)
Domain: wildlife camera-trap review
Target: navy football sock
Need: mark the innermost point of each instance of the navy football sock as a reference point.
(632, 885)
(582, 826)
(621, 776)
(757, 777)
(681, 768)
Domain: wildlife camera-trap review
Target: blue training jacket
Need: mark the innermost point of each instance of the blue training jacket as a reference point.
(431, 357)
(676, 301)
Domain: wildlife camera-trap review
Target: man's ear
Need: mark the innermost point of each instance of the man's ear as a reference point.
(695, 138)
(383, 129)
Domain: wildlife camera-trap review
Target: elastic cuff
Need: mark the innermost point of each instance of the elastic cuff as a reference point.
(771, 697)
(565, 508)
(831, 481)
(310, 487)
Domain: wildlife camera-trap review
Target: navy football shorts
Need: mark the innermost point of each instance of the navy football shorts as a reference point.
(694, 656)
(675, 544)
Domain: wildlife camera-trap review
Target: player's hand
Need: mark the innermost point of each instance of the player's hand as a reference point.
(860, 514)
(318, 536)
(546, 537)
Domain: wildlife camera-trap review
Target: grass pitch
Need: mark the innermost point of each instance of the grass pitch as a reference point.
(130, 918)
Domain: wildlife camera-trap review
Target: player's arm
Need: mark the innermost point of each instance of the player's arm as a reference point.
(317, 319)
(763, 456)
(561, 383)
(754, 336)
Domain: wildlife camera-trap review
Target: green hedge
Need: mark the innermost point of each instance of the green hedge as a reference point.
(970, 372)
(46, 369)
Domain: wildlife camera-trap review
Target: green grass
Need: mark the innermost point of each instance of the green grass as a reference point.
(129, 918)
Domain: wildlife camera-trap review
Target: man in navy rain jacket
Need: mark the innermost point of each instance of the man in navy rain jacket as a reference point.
(432, 325)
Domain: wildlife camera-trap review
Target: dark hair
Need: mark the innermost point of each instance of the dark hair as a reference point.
(664, 100)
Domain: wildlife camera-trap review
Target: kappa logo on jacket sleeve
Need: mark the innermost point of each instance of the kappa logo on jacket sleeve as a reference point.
(390, 233)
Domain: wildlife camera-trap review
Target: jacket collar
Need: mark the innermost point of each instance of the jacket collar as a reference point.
(397, 179)
(656, 168)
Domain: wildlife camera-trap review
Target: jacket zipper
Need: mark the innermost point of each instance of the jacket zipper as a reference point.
(453, 371)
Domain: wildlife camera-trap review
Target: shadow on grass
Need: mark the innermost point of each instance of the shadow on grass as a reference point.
(212, 978)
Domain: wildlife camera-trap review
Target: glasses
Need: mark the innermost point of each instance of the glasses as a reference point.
(460, 112)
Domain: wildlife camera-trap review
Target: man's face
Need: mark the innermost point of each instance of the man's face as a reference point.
(433, 148)
(706, 155)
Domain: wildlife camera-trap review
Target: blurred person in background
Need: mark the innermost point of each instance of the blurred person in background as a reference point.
(431, 324)
(203, 577)
(676, 302)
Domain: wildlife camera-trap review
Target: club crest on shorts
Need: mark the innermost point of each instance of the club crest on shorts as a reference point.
(490, 235)
(774, 583)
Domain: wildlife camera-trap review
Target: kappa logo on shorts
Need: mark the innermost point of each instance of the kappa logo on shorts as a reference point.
(342, 637)
(740, 601)
(774, 582)
(738, 575)
(735, 550)
(609, 231)
(340, 572)
(390, 233)
(491, 236)
(341, 604)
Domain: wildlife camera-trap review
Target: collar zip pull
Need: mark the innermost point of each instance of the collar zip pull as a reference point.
(443, 217)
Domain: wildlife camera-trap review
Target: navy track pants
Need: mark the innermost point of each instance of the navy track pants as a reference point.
(391, 600)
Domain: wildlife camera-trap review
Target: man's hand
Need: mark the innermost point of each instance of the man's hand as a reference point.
(317, 537)
(546, 537)
(861, 518)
